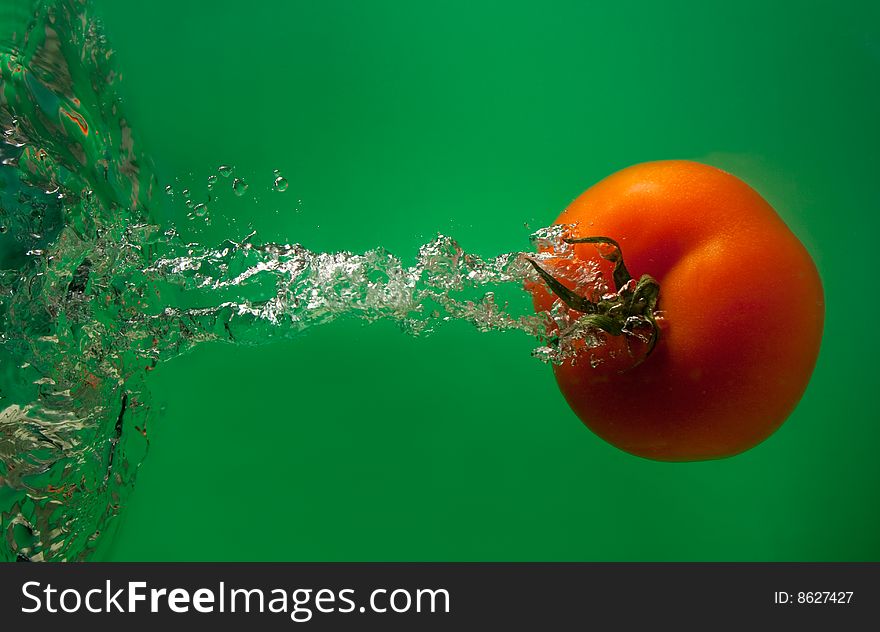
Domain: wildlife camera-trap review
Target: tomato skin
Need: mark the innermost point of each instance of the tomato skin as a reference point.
(743, 312)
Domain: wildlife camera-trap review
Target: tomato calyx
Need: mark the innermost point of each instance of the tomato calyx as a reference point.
(629, 311)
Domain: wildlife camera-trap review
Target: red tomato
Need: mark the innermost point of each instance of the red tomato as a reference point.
(742, 314)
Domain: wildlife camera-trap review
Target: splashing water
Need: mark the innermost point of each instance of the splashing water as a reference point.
(89, 286)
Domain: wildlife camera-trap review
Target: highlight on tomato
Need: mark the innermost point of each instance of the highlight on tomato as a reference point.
(711, 315)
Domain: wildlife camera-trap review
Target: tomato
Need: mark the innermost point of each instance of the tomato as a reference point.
(738, 314)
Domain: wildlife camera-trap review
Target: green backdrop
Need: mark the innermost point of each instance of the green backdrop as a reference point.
(396, 120)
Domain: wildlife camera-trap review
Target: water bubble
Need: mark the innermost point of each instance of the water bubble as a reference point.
(185, 193)
(212, 180)
(200, 210)
(281, 184)
(189, 203)
(169, 189)
(225, 170)
(3, 229)
(239, 186)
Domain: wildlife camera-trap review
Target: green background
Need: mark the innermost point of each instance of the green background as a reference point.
(396, 120)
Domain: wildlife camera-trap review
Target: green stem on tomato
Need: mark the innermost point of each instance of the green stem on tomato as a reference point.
(620, 314)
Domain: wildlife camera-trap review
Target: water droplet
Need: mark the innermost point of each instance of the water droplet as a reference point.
(225, 171)
(185, 193)
(212, 180)
(169, 189)
(281, 184)
(189, 203)
(3, 229)
(239, 186)
(200, 210)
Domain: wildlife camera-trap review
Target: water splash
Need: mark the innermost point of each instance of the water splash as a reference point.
(90, 286)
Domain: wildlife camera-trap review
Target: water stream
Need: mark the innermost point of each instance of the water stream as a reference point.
(95, 294)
